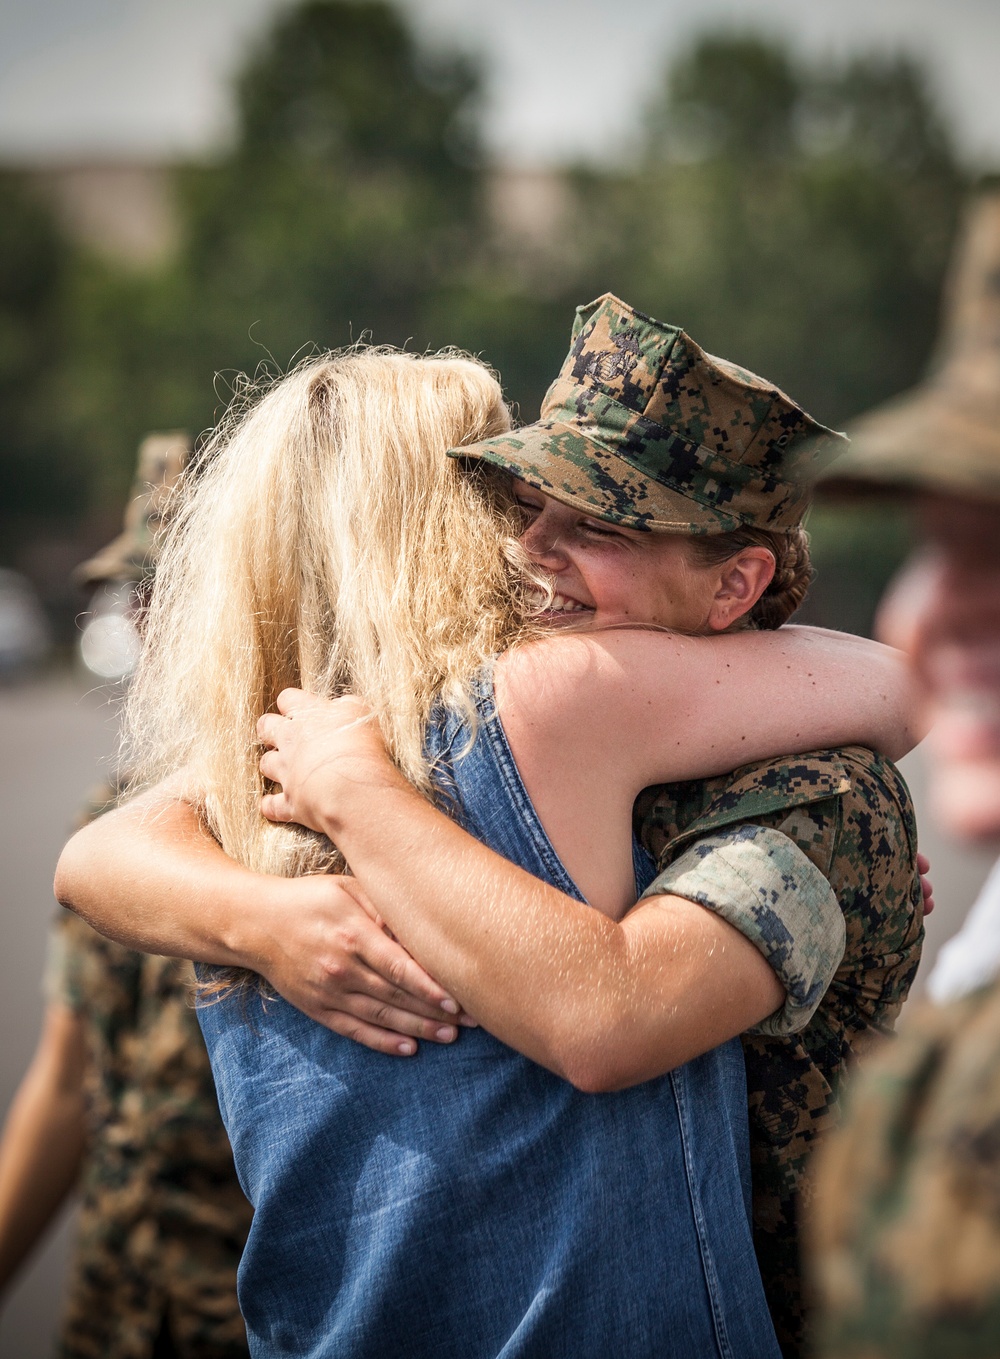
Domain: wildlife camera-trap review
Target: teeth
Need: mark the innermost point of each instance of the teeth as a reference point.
(563, 605)
(558, 604)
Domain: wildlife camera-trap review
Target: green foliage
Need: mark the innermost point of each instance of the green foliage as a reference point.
(796, 220)
(34, 470)
(856, 551)
(340, 212)
(733, 98)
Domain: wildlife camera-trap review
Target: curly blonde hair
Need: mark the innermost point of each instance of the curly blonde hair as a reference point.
(322, 539)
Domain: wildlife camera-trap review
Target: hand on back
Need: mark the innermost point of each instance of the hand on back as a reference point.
(329, 954)
(319, 749)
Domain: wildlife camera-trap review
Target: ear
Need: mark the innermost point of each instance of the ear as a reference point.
(742, 581)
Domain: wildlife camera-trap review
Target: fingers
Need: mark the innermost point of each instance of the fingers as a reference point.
(401, 978)
(383, 1028)
(368, 1035)
(403, 1022)
(268, 766)
(290, 699)
(926, 887)
(267, 728)
(378, 991)
(275, 807)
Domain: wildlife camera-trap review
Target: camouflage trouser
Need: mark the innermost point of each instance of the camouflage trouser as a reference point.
(134, 1294)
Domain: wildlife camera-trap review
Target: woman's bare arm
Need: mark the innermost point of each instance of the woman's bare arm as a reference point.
(150, 876)
(43, 1139)
(593, 719)
(603, 1000)
(156, 882)
(604, 1003)
(668, 707)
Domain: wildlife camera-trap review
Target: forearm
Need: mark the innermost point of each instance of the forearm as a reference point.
(602, 1003)
(151, 877)
(42, 1144)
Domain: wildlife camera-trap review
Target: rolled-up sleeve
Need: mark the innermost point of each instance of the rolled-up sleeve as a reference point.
(762, 884)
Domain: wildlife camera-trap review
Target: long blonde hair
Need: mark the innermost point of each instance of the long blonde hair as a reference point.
(324, 540)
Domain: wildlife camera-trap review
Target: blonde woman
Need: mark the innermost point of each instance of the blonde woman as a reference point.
(472, 1202)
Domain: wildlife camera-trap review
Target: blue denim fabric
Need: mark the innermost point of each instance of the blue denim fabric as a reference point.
(468, 1204)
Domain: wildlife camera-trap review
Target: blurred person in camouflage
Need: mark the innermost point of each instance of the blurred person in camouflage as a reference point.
(786, 852)
(907, 1229)
(118, 1101)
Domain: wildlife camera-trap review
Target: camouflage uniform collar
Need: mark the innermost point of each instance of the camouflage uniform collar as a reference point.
(644, 428)
(761, 789)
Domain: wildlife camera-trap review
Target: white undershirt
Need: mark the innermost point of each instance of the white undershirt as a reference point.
(971, 958)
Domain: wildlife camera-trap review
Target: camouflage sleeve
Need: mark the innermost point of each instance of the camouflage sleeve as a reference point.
(905, 1226)
(761, 883)
(61, 981)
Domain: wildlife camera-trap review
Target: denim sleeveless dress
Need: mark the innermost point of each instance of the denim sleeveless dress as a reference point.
(468, 1204)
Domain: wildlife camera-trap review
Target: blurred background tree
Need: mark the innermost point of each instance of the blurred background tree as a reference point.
(794, 215)
(352, 186)
(37, 471)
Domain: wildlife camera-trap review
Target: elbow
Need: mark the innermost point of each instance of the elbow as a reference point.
(591, 1055)
(594, 1077)
(68, 874)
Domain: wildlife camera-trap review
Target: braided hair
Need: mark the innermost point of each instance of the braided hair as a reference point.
(793, 571)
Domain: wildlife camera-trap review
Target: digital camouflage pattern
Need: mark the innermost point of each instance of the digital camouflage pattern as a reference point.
(850, 813)
(162, 1218)
(906, 1227)
(762, 884)
(643, 428)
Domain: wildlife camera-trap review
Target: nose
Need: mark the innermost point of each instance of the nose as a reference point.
(542, 541)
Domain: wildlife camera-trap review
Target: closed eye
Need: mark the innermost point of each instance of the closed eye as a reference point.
(600, 530)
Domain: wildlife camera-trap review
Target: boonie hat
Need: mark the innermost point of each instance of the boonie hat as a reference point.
(643, 428)
(944, 434)
(131, 556)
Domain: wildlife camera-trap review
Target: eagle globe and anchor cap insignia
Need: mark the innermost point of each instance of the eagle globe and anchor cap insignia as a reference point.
(642, 427)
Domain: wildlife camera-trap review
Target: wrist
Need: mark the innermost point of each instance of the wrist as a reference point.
(355, 803)
(240, 919)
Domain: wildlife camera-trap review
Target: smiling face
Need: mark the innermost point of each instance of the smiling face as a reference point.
(604, 574)
(945, 612)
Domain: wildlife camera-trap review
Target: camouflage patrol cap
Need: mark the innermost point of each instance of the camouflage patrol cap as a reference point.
(944, 435)
(645, 429)
(131, 556)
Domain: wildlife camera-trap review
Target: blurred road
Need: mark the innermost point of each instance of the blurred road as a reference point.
(54, 737)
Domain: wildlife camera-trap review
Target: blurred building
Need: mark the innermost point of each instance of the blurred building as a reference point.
(125, 210)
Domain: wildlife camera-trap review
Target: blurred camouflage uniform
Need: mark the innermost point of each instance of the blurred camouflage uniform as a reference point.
(162, 1218)
(906, 1235)
(734, 844)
